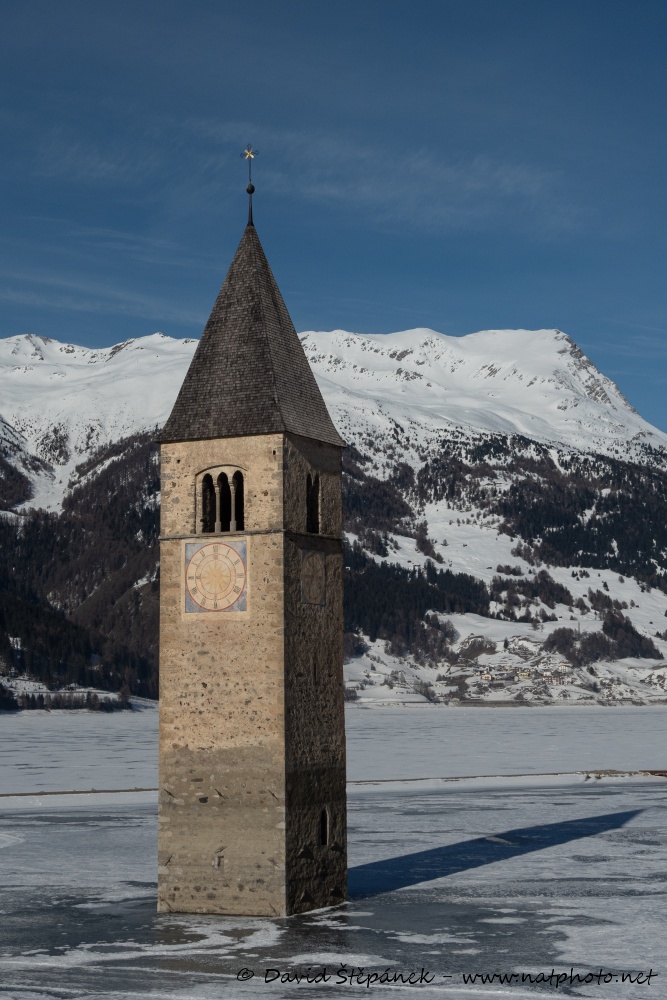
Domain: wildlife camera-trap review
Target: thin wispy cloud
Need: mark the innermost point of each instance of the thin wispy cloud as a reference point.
(86, 296)
(143, 248)
(637, 344)
(652, 378)
(417, 188)
(175, 162)
(64, 154)
(639, 326)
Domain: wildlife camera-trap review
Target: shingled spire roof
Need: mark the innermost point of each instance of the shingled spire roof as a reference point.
(249, 374)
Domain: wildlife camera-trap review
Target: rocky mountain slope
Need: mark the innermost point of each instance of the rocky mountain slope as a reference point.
(505, 509)
(536, 384)
(60, 402)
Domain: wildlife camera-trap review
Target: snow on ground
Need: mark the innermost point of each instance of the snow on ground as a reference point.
(26, 685)
(520, 675)
(455, 878)
(475, 546)
(468, 542)
(454, 882)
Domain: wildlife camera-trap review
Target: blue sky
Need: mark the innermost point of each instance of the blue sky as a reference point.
(456, 165)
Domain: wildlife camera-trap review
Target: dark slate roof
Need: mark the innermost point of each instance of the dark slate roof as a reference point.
(249, 374)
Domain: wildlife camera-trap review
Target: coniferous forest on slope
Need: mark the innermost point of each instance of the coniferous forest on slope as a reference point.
(80, 588)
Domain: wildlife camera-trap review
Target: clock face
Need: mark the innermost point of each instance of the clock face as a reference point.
(215, 577)
(313, 577)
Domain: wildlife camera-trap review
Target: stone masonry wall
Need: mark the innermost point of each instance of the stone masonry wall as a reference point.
(252, 739)
(314, 701)
(259, 458)
(222, 769)
(301, 457)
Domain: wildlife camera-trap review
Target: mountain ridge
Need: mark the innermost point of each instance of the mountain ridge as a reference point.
(61, 401)
(504, 509)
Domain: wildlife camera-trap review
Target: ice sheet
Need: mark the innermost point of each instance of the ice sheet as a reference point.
(432, 741)
(457, 880)
(71, 751)
(78, 750)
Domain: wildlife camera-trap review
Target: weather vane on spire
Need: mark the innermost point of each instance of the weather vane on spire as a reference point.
(249, 154)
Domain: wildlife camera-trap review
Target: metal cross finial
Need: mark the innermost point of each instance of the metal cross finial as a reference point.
(249, 154)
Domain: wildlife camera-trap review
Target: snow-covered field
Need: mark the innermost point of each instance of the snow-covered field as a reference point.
(468, 542)
(457, 878)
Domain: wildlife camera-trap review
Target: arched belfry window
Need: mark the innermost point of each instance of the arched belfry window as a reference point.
(313, 504)
(223, 503)
(208, 499)
(221, 500)
(238, 513)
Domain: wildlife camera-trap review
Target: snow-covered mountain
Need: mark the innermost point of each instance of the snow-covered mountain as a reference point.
(65, 401)
(62, 401)
(536, 383)
(501, 466)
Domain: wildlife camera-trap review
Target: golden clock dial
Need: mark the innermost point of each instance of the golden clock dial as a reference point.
(313, 578)
(215, 576)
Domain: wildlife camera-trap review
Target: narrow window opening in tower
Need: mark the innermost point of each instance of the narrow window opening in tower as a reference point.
(313, 504)
(208, 504)
(238, 505)
(309, 489)
(316, 504)
(223, 498)
(324, 827)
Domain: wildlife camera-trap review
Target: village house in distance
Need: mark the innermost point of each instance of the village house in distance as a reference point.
(252, 808)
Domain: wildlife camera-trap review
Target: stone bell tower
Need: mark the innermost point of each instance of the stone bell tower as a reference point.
(252, 807)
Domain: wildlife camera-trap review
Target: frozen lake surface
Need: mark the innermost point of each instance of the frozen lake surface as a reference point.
(458, 881)
(427, 741)
(469, 876)
(69, 751)
(78, 750)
